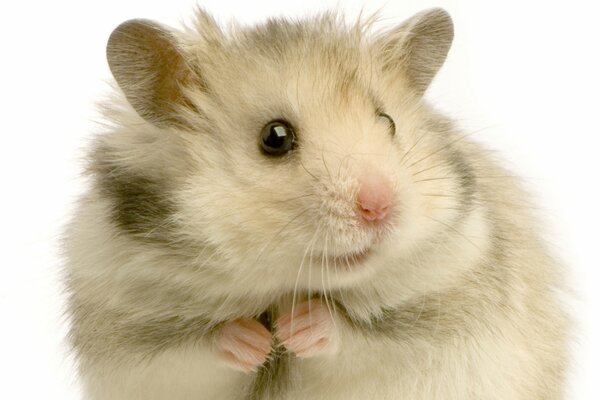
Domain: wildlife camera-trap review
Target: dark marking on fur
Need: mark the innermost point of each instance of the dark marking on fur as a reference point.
(455, 158)
(466, 177)
(416, 320)
(266, 320)
(136, 339)
(140, 204)
(274, 377)
(274, 40)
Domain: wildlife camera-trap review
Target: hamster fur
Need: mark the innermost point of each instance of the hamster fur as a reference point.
(199, 267)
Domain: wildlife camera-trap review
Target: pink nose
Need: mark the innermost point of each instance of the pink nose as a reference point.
(374, 197)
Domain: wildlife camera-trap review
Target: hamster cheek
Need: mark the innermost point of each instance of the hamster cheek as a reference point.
(310, 331)
(244, 344)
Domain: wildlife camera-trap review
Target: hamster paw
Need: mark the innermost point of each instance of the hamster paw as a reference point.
(244, 344)
(311, 330)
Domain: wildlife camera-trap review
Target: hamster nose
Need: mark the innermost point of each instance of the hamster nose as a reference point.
(374, 198)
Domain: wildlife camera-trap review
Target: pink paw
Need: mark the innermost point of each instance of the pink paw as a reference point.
(310, 331)
(244, 344)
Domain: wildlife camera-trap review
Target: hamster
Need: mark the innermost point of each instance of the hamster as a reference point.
(275, 212)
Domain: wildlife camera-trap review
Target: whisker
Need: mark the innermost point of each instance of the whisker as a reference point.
(333, 307)
(324, 163)
(339, 171)
(448, 208)
(323, 259)
(340, 292)
(436, 179)
(488, 201)
(462, 235)
(307, 171)
(278, 233)
(308, 247)
(446, 146)
(401, 162)
(322, 276)
(310, 277)
(295, 198)
(429, 168)
(438, 195)
(480, 177)
(363, 154)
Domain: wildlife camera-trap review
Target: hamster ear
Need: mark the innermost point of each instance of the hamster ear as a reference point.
(151, 70)
(418, 47)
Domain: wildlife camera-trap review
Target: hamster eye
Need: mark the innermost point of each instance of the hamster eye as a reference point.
(277, 138)
(390, 121)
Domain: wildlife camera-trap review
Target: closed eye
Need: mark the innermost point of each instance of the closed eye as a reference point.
(389, 120)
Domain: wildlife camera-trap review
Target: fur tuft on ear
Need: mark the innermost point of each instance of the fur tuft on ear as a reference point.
(418, 47)
(207, 27)
(151, 70)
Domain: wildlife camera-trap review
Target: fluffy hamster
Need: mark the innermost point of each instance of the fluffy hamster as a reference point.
(276, 213)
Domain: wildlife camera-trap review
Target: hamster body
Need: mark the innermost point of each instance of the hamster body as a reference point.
(275, 213)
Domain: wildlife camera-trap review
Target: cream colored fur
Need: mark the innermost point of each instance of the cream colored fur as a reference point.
(452, 303)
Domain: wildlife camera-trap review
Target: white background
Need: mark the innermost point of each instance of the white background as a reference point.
(522, 75)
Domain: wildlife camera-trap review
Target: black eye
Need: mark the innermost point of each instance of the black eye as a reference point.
(277, 138)
(390, 121)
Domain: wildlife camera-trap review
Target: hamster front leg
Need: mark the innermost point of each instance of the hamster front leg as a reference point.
(217, 366)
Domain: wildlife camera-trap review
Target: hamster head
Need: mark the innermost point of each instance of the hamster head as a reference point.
(280, 153)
